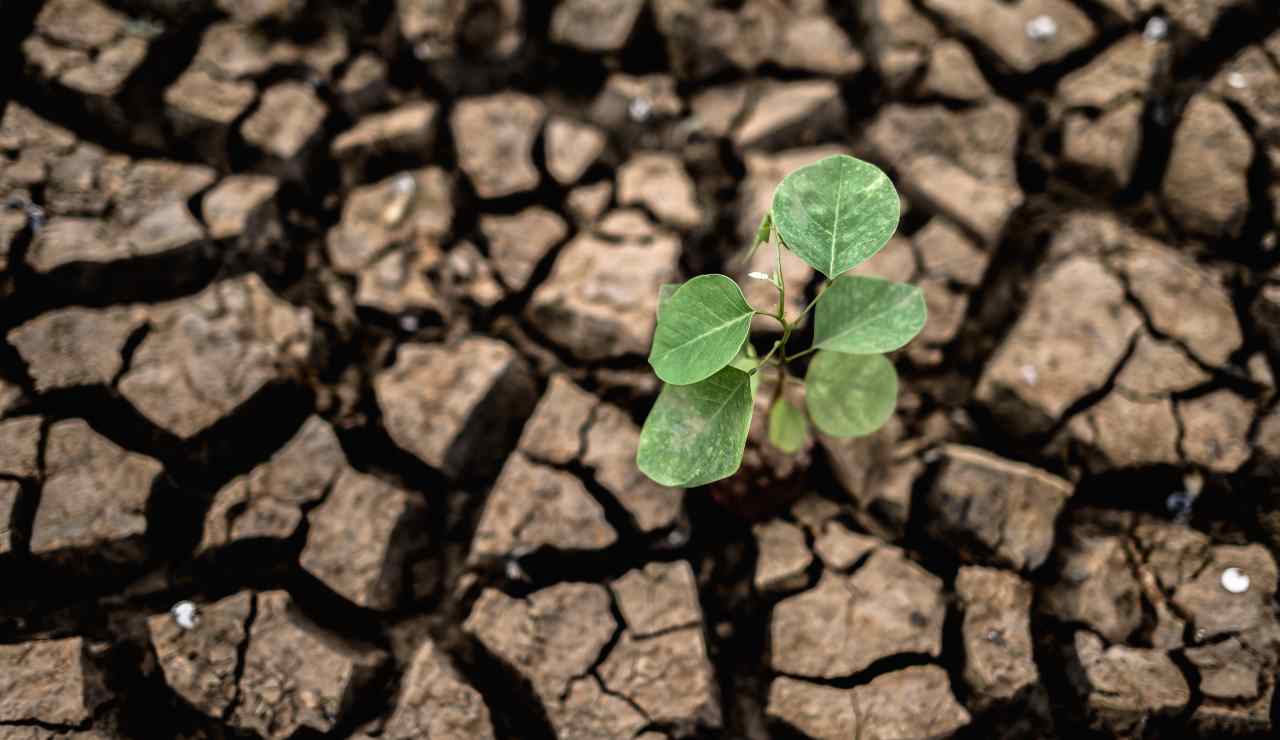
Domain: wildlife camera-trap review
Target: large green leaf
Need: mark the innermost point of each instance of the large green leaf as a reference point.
(700, 329)
(850, 395)
(787, 426)
(695, 434)
(835, 213)
(867, 315)
(665, 291)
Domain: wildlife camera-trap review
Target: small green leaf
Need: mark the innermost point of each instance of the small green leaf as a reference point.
(700, 330)
(835, 213)
(746, 361)
(867, 315)
(696, 433)
(850, 395)
(665, 291)
(787, 426)
(762, 237)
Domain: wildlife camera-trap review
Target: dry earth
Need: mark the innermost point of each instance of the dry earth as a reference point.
(322, 337)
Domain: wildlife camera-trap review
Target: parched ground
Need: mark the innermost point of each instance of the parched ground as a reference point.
(322, 339)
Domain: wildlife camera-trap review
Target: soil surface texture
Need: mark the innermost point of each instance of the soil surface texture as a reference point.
(323, 337)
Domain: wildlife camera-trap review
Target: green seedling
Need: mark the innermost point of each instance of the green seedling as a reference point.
(833, 214)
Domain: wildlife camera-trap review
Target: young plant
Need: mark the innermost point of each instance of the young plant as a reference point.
(833, 214)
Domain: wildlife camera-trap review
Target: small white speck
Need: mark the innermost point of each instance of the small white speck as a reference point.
(678, 537)
(1042, 28)
(405, 184)
(640, 109)
(409, 323)
(185, 615)
(1156, 29)
(1029, 374)
(759, 276)
(1237, 80)
(1235, 581)
(515, 572)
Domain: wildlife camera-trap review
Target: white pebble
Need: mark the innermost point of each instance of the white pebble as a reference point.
(1042, 28)
(409, 323)
(1156, 29)
(405, 184)
(640, 109)
(1235, 581)
(1237, 80)
(759, 276)
(185, 615)
(1030, 375)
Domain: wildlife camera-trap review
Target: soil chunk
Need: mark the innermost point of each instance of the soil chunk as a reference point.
(784, 112)
(286, 123)
(9, 492)
(912, 702)
(435, 702)
(1210, 201)
(841, 549)
(668, 676)
(361, 538)
(1073, 333)
(454, 407)
(657, 598)
(601, 299)
(94, 492)
(783, 556)
(408, 131)
(959, 163)
(595, 25)
(268, 502)
(1213, 609)
(19, 446)
(549, 639)
(518, 243)
(1126, 687)
(295, 675)
(532, 506)
(1096, 586)
(999, 659)
(612, 441)
(572, 148)
(494, 136)
(1215, 430)
(889, 606)
(52, 682)
(994, 510)
(659, 183)
(1005, 29)
(202, 664)
(820, 712)
(206, 355)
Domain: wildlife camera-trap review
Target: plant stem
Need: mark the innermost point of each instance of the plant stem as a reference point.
(781, 285)
(765, 360)
(798, 355)
(821, 289)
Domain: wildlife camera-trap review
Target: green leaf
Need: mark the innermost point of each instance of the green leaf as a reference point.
(746, 361)
(665, 291)
(835, 213)
(762, 236)
(867, 315)
(695, 434)
(850, 395)
(700, 330)
(787, 426)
